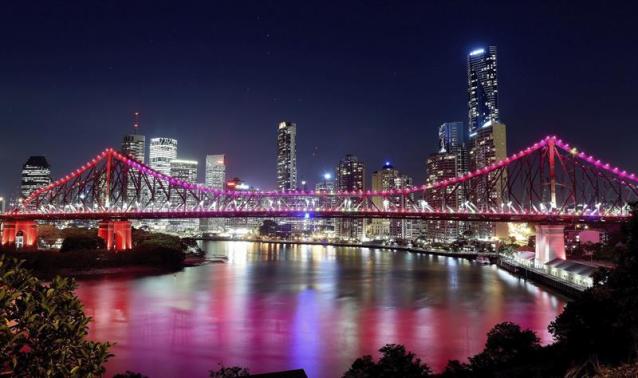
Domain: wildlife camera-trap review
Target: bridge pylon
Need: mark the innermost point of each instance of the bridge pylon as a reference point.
(550, 243)
(116, 234)
(22, 233)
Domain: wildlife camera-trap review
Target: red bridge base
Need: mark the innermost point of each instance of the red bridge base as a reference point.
(116, 234)
(21, 233)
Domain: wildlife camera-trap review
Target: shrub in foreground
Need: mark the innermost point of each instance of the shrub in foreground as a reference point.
(43, 328)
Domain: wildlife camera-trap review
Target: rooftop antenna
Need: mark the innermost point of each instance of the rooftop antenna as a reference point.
(136, 120)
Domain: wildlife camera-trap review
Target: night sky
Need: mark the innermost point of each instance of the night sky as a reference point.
(373, 78)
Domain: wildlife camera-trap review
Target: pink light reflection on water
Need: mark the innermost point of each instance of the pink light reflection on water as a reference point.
(318, 308)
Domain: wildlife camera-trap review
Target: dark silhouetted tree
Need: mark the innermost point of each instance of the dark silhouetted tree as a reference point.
(229, 372)
(395, 361)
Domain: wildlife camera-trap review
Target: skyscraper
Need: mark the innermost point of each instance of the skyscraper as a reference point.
(161, 152)
(452, 135)
(134, 144)
(286, 156)
(482, 88)
(350, 176)
(327, 185)
(453, 139)
(215, 171)
(389, 178)
(441, 166)
(36, 173)
(185, 170)
(488, 136)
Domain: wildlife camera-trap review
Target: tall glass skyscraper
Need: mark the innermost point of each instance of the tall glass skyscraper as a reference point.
(286, 156)
(482, 88)
(161, 152)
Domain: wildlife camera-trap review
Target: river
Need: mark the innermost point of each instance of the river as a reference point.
(276, 307)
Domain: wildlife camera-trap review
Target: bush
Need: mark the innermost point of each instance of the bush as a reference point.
(394, 362)
(130, 374)
(82, 243)
(43, 328)
(229, 372)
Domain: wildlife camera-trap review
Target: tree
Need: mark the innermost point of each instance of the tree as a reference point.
(229, 372)
(394, 362)
(456, 369)
(49, 234)
(130, 374)
(268, 228)
(43, 328)
(506, 345)
(82, 243)
(601, 326)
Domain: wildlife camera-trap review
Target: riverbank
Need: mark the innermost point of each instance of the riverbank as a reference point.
(47, 264)
(565, 288)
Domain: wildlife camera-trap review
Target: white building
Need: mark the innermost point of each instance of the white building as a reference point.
(215, 171)
(161, 152)
(185, 170)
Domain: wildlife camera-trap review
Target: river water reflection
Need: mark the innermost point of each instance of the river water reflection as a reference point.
(276, 307)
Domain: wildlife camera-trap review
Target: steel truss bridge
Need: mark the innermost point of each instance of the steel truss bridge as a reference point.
(547, 183)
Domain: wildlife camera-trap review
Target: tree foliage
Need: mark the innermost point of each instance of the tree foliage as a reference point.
(43, 328)
(82, 243)
(602, 325)
(229, 372)
(395, 361)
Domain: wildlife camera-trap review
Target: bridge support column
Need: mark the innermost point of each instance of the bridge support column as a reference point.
(116, 234)
(24, 234)
(550, 243)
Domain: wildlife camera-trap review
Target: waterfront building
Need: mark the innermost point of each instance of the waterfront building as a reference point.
(243, 225)
(350, 176)
(36, 173)
(185, 170)
(3, 205)
(450, 161)
(441, 166)
(489, 145)
(482, 89)
(327, 185)
(389, 178)
(286, 156)
(215, 175)
(161, 152)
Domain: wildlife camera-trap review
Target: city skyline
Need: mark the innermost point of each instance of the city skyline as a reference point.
(324, 120)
